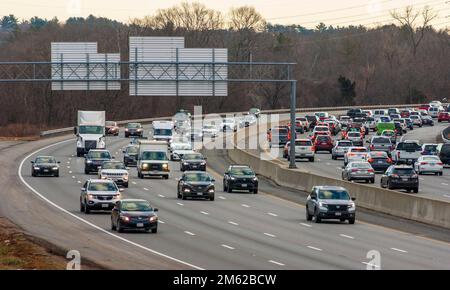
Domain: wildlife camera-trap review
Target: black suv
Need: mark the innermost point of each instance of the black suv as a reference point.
(330, 202)
(400, 177)
(193, 161)
(352, 112)
(134, 129)
(240, 177)
(94, 159)
(45, 165)
(196, 184)
(312, 120)
(444, 153)
(130, 155)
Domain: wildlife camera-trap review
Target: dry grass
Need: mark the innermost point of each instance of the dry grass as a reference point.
(19, 132)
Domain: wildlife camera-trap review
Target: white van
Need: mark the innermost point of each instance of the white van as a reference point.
(162, 130)
(434, 111)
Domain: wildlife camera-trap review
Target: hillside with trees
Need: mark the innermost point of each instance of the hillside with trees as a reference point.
(404, 62)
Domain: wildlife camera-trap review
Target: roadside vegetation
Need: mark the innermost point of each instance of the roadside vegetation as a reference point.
(405, 60)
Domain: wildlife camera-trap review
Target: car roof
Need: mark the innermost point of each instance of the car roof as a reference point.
(329, 187)
(134, 199)
(196, 171)
(96, 180)
(403, 166)
(98, 150)
(45, 156)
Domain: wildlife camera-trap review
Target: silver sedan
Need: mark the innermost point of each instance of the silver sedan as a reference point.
(358, 170)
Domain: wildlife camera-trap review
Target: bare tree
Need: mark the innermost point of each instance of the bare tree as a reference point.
(410, 21)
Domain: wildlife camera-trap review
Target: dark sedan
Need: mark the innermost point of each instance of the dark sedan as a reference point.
(130, 155)
(240, 177)
(45, 166)
(196, 184)
(379, 160)
(94, 159)
(134, 129)
(134, 214)
(193, 161)
(400, 177)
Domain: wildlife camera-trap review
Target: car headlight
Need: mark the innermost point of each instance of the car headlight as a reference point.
(89, 161)
(186, 190)
(255, 178)
(55, 168)
(322, 204)
(144, 166)
(90, 196)
(165, 166)
(125, 177)
(185, 163)
(125, 218)
(232, 178)
(36, 168)
(103, 177)
(351, 206)
(117, 196)
(211, 190)
(203, 163)
(153, 218)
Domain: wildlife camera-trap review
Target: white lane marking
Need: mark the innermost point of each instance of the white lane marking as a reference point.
(180, 204)
(399, 250)
(371, 265)
(318, 159)
(328, 163)
(270, 235)
(221, 197)
(446, 195)
(160, 195)
(134, 182)
(245, 205)
(272, 214)
(446, 184)
(306, 225)
(189, 233)
(314, 248)
(73, 177)
(70, 158)
(68, 167)
(161, 222)
(204, 212)
(276, 263)
(340, 168)
(348, 237)
(68, 162)
(78, 181)
(233, 223)
(228, 247)
(70, 172)
(145, 188)
(19, 172)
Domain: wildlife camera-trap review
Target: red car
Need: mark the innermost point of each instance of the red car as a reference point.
(444, 116)
(405, 113)
(323, 143)
(424, 107)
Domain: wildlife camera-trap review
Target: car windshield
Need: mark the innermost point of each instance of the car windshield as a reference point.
(197, 177)
(321, 129)
(360, 165)
(323, 138)
(430, 147)
(303, 143)
(99, 155)
(113, 165)
(136, 206)
(45, 160)
(241, 171)
(102, 186)
(385, 119)
(403, 171)
(132, 149)
(162, 132)
(356, 150)
(345, 144)
(228, 121)
(381, 140)
(154, 155)
(334, 194)
(388, 133)
(431, 158)
(193, 157)
(182, 147)
(90, 130)
(110, 123)
(134, 125)
(354, 134)
(408, 146)
(320, 114)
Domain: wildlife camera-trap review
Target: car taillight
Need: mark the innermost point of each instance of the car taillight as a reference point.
(354, 170)
(370, 170)
(372, 147)
(389, 160)
(440, 163)
(423, 163)
(395, 175)
(370, 160)
(312, 148)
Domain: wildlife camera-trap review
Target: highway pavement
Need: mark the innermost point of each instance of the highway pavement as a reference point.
(236, 231)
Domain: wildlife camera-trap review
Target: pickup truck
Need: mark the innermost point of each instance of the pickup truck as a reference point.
(407, 152)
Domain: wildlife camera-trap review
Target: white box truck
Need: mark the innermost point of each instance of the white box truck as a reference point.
(90, 131)
(152, 159)
(162, 130)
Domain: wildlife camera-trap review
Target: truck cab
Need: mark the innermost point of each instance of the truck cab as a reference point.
(152, 159)
(90, 131)
(163, 130)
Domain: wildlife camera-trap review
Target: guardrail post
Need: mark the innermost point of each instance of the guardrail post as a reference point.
(293, 133)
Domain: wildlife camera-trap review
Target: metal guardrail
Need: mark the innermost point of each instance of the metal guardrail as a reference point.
(66, 130)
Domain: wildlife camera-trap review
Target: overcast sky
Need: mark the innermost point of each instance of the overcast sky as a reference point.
(305, 12)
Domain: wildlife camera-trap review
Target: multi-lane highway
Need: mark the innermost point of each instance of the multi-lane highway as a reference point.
(236, 231)
(430, 185)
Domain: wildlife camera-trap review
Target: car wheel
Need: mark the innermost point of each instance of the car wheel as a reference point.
(333, 157)
(440, 173)
(311, 159)
(33, 174)
(154, 231)
(229, 190)
(389, 185)
(87, 210)
(224, 188)
(351, 221)
(81, 207)
(289, 158)
(119, 228)
(125, 185)
(372, 181)
(140, 175)
(255, 191)
(57, 174)
(416, 190)
(113, 227)
(166, 176)
(317, 219)
(86, 171)
(308, 216)
(183, 197)
(211, 198)
(342, 220)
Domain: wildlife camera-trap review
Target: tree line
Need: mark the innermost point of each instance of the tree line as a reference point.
(404, 62)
